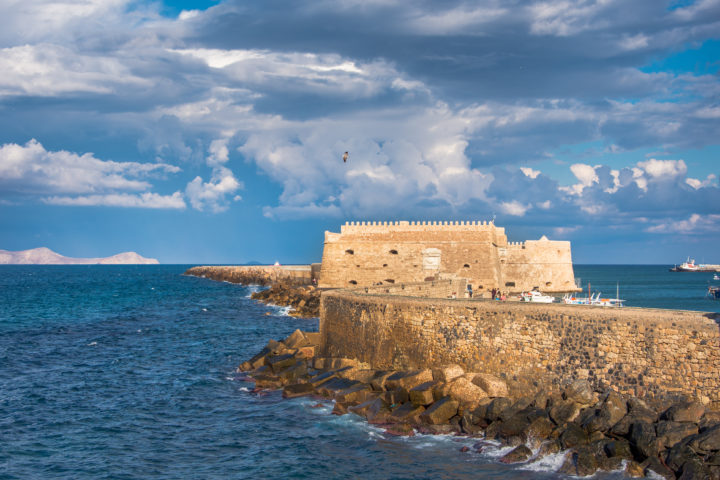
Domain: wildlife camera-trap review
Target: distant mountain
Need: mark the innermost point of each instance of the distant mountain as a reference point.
(45, 256)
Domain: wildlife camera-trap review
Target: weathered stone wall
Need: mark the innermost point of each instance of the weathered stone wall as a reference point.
(398, 252)
(643, 352)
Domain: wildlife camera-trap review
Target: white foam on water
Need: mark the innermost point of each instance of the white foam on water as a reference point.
(243, 389)
(204, 309)
(548, 463)
(92, 344)
(654, 476)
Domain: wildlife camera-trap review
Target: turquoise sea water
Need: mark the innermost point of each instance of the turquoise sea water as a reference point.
(128, 372)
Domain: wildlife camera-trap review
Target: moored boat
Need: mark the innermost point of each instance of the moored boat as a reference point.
(535, 296)
(689, 265)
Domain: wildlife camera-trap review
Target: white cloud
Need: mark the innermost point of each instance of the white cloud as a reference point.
(587, 176)
(451, 22)
(29, 169)
(695, 225)
(49, 70)
(213, 195)
(657, 169)
(529, 172)
(514, 208)
(697, 184)
(143, 200)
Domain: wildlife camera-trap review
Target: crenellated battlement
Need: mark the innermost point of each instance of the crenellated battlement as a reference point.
(418, 226)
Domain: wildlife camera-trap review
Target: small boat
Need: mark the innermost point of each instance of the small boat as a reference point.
(716, 277)
(594, 299)
(689, 265)
(535, 296)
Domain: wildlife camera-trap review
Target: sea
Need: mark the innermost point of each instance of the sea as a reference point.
(129, 372)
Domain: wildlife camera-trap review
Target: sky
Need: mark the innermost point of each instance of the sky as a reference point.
(206, 131)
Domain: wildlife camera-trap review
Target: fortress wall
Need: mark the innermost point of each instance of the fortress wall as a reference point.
(539, 263)
(366, 253)
(642, 352)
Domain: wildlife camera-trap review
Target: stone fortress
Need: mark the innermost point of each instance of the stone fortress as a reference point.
(376, 253)
(390, 300)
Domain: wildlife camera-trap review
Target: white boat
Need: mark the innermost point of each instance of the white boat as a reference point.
(716, 277)
(535, 296)
(594, 299)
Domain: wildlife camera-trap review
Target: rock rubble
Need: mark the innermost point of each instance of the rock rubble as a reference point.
(597, 430)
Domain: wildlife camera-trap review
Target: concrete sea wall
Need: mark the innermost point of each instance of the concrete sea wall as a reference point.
(642, 352)
(259, 274)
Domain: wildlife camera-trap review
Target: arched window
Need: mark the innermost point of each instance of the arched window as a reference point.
(466, 266)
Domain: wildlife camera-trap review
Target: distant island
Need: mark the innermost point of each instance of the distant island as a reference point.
(45, 256)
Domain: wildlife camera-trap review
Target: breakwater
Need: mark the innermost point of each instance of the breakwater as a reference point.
(259, 274)
(648, 353)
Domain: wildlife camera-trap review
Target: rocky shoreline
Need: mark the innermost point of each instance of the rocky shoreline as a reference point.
(603, 431)
(284, 291)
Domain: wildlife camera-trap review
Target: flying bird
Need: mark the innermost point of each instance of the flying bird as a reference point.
(345, 155)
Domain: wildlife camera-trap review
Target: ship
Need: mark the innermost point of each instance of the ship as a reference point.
(689, 265)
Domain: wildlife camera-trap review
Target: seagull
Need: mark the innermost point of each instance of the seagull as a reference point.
(345, 155)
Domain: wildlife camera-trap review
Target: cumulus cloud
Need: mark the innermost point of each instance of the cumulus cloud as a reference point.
(695, 225)
(213, 195)
(143, 200)
(31, 169)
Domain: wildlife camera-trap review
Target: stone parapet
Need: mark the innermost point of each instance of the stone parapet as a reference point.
(642, 352)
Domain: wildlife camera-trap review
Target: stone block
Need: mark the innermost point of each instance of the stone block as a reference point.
(447, 373)
(280, 362)
(466, 393)
(685, 412)
(297, 390)
(296, 340)
(422, 394)
(408, 380)
(407, 412)
(493, 386)
(440, 411)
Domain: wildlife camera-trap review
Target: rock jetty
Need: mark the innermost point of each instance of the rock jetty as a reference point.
(284, 290)
(596, 430)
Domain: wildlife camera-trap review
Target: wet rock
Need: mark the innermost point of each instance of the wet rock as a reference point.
(678, 455)
(256, 361)
(612, 410)
(440, 411)
(407, 412)
(340, 408)
(637, 411)
(496, 407)
(669, 433)
(469, 424)
(654, 465)
(634, 470)
(564, 412)
(539, 430)
(362, 408)
(321, 378)
(297, 390)
(573, 436)
(442, 429)
(294, 372)
(619, 448)
(400, 430)
(355, 394)
(378, 411)
(493, 386)
(519, 454)
(579, 463)
(334, 386)
(549, 447)
(685, 412)
(358, 374)
(643, 440)
(280, 362)
(447, 373)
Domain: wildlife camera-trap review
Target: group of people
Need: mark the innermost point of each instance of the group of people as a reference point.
(495, 293)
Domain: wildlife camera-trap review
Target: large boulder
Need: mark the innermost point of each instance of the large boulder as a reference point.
(669, 433)
(493, 386)
(708, 440)
(520, 453)
(573, 436)
(440, 411)
(379, 379)
(611, 411)
(580, 392)
(280, 362)
(496, 407)
(581, 463)
(564, 412)
(422, 394)
(643, 440)
(408, 380)
(685, 412)
(407, 412)
(466, 392)
(297, 390)
(447, 373)
(296, 340)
